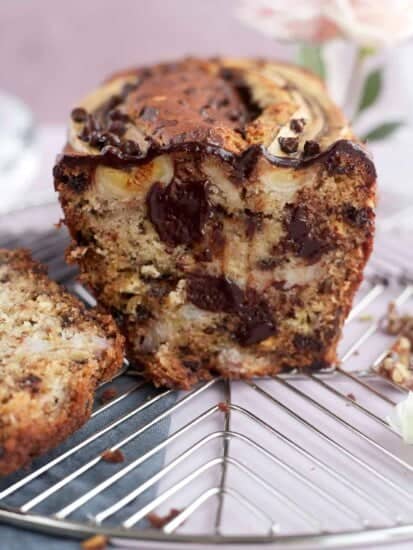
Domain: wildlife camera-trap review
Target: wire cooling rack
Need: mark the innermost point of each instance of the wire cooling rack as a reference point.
(299, 461)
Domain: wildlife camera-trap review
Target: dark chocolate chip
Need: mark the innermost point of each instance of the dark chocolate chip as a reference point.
(288, 145)
(117, 115)
(31, 382)
(179, 211)
(311, 148)
(297, 125)
(117, 127)
(300, 232)
(129, 147)
(298, 227)
(312, 248)
(257, 324)
(219, 294)
(359, 217)
(79, 114)
(95, 140)
(78, 182)
(214, 293)
(307, 342)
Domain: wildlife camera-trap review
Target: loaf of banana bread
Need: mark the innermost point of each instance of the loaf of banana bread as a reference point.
(53, 353)
(222, 211)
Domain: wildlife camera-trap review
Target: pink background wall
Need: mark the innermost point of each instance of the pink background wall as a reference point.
(52, 52)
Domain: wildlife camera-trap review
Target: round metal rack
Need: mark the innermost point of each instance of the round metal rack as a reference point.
(304, 460)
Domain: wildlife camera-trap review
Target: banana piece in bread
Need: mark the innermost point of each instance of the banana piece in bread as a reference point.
(53, 353)
(223, 211)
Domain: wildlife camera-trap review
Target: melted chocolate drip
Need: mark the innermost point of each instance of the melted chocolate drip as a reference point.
(242, 163)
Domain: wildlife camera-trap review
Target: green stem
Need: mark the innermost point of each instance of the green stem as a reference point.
(353, 85)
(310, 57)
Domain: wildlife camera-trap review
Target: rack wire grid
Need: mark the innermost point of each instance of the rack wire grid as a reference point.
(304, 460)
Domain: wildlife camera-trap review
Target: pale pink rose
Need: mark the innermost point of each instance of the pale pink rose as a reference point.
(373, 23)
(302, 20)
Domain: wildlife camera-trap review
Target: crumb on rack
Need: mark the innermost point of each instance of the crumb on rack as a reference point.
(97, 542)
(108, 395)
(397, 365)
(158, 522)
(366, 317)
(351, 396)
(223, 406)
(397, 324)
(113, 456)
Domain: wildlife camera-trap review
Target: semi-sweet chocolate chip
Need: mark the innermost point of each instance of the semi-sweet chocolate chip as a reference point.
(311, 148)
(179, 211)
(359, 217)
(216, 294)
(254, 319)
(288, 145)
(79, 114)
(297, 125)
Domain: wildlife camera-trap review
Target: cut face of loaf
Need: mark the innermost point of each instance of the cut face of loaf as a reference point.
(53, 353)
(223, 212)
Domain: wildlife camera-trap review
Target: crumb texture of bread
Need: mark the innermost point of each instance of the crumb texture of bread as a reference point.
(223, 211)
(53, 353)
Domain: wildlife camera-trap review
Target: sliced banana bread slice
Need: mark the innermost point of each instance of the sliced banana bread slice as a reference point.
(53, 353)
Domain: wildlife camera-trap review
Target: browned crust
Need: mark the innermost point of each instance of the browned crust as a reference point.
(228, 107)
(21, 443)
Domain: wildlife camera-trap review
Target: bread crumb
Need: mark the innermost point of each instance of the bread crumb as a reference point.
(97, 542)
(397, 324)
(108, 395)
(352, 397)
(366, 317)
(397, 365)
(60, 223)
(113, 456)
(223, 406)
(157, 522)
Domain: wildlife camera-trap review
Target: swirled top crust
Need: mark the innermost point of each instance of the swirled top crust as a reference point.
(231, 107)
